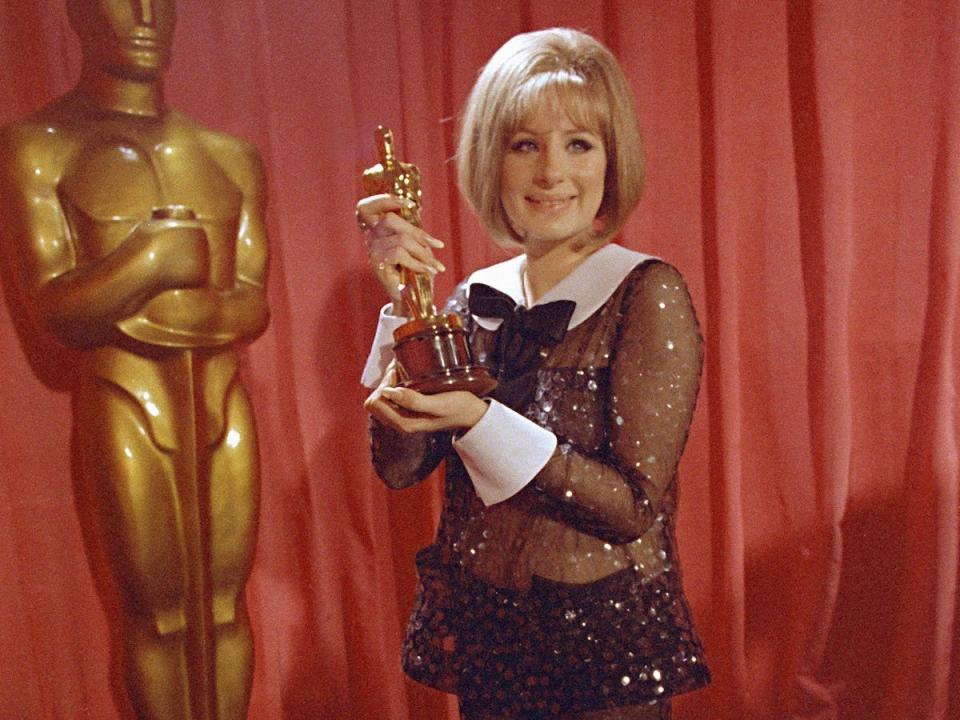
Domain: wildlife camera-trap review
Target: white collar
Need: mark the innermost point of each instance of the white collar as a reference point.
(590, 284)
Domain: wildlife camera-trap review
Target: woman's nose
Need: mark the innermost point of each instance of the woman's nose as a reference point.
(549, 167)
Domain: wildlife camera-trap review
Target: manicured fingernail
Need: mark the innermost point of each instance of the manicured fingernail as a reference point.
(436, 243)
(391, 391)
(440, 266)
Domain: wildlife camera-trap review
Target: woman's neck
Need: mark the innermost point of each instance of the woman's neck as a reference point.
(545, 267)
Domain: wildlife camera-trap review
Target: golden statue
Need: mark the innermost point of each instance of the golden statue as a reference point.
(431, 350)
(402, 180)
(136, 237)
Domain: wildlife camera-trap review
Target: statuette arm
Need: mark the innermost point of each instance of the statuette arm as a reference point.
(81, 303)
(220, 314)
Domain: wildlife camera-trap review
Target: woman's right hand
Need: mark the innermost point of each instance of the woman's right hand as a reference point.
(394, 243)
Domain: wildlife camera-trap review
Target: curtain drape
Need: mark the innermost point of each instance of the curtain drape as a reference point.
(803, 174)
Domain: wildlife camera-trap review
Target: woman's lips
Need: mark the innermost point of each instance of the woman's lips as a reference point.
(548, 204)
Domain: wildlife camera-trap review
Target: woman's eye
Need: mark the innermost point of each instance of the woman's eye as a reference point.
(581, 145)
(524, 145)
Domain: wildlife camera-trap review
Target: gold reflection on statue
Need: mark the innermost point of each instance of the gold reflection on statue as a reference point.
(136, 236)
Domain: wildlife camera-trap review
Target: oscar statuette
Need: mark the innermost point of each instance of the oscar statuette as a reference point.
(431, 350)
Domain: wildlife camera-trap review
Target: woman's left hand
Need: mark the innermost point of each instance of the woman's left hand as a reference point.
(408, 411)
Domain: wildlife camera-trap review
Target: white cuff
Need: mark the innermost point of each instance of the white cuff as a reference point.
(381, 352)
(503, 452)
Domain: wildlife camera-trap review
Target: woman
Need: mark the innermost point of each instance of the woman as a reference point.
(552, 589)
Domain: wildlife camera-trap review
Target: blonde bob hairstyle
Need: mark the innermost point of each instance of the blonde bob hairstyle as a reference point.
(570, 70)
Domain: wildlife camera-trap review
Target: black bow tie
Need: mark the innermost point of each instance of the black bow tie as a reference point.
(516, 352)
(547, 323)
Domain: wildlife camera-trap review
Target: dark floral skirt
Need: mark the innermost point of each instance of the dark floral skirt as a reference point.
(557, 649)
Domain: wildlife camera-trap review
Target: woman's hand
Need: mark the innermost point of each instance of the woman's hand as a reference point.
(393, 243)
(408, 411)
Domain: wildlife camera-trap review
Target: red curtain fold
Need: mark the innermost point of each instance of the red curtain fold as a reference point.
(803, 174)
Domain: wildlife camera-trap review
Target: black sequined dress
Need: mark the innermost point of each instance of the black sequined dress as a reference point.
(567, 597)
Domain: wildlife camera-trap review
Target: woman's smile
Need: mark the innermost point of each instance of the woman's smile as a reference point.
(551, 204)
(552, 178)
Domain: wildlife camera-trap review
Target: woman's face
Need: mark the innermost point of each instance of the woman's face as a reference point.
(551, 181)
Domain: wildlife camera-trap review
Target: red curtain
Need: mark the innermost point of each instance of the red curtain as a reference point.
(804, 175)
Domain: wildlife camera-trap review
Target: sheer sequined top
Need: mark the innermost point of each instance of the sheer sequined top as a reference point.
(618, 392)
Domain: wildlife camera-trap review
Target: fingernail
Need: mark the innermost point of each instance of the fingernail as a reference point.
(388, 391)
(436, 243)
(441, 266)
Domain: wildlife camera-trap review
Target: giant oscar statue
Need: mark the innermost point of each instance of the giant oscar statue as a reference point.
(136, 237)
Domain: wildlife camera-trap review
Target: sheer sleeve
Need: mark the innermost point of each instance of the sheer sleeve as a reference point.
(654, 375)
(404, 459)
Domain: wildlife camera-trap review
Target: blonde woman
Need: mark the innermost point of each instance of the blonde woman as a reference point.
(552, 589)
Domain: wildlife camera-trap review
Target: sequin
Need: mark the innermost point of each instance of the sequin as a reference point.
(618, 393)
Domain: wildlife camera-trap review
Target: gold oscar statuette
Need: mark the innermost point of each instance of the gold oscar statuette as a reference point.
(431, 350)
(135, 239)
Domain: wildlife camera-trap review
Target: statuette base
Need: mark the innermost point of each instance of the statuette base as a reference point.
(433, 357)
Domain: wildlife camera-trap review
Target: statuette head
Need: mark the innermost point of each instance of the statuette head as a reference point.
(130, 39)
